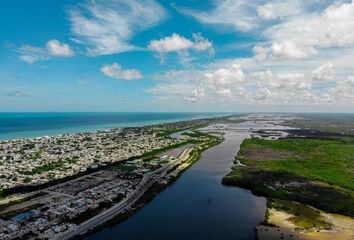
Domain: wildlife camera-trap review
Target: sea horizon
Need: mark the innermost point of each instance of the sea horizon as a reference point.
(19, 125)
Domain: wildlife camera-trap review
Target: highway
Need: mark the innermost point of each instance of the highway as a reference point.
(147, 181)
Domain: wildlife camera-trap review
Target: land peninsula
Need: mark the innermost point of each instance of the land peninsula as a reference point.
(308, 178)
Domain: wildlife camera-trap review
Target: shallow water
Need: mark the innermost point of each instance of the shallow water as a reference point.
(184, 211)
(29, 125)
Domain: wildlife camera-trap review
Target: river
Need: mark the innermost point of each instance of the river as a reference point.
(197, 205)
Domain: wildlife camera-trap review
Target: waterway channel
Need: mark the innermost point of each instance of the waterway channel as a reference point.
(197, 206)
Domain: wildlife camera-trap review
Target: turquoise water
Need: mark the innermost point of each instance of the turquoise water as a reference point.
(29, 125)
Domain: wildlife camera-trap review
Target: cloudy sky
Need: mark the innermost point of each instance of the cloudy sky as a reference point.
(181, 55)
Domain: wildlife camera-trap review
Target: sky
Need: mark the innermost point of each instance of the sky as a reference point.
(181, 55)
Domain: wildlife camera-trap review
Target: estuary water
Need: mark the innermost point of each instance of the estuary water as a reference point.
(197, 206)
(28, 125)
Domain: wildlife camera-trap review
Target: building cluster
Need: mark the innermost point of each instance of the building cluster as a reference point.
(39, 160)
(62, 207)
(51, 211)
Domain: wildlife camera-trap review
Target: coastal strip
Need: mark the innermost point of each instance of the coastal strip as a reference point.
(113, 189)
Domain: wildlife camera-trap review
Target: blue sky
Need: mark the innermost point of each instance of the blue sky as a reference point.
(190, 55)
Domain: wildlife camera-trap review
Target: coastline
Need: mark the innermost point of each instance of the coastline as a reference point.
(162, 131)
(176, 169)
(278, 221)
(166, 132)
(80, 125)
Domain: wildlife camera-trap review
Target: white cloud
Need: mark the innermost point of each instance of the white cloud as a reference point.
(287, 68)
(202, 44)
(106, 27)
(310, 33)
(174, 43)
(283, 50)
(266, 12)
(225, 76)
(219, 84)
(245, 15)
(260, 52)
(267, 76)
(279, 9)
(225, 93)
(31, 54)
(334, 27)
(342, 93)
(262, 94)
(292, 81)
(181, 45)
(230, 84)
(196, 95)
(323, 73)
(293, 29)
(53, 48)
(56, 48)
(238, 14)
(115, 71)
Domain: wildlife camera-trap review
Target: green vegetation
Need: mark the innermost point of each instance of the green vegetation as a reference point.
(196, 152)
(153, 153)
(204, 140)
(45, 168)
(73, 160)
(36, 155)
(168, 132)
(2, 195)
(316, 172)
(27, 180)
(330, 161)
(123, 168)
(198, 126)
(49, 167)
(304, 217)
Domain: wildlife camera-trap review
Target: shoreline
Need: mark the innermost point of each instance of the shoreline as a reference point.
(72, 147)
(157, 185)
(278, 224)
(290, 216)
(92, 128)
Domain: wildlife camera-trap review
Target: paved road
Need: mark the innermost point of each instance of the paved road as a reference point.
(146, 182)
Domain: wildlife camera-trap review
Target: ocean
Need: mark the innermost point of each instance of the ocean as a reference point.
(30, 125)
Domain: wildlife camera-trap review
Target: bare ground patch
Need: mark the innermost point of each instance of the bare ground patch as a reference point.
(260, 153)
